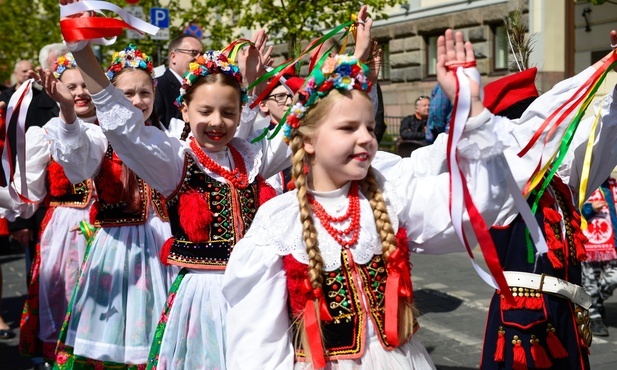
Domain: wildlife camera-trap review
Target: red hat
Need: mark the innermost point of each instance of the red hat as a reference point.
(507, 91)
(293, 83)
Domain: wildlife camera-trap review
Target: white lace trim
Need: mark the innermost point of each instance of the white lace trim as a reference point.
(62, 148)
(118, 113)
(281, 230)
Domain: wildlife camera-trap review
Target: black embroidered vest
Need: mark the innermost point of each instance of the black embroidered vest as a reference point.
(232, 211)
(64, 194)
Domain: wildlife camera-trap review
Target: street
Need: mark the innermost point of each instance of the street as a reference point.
(452, 300)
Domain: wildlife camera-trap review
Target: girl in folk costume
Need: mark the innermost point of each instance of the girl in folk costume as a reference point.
(336, 267)
(600, 268)
(546, 327)
(122, 287)
(61, 248)
(212, 184)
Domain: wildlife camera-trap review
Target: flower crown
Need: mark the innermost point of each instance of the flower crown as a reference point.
(210, 62)
(63, 63)
(341, 72)
(130, 57)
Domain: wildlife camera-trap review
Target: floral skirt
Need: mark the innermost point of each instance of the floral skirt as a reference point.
(190, 334)
(118, 298)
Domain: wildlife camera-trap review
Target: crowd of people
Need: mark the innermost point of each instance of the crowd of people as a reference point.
(233, 215)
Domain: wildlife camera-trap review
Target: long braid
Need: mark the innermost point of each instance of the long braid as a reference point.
(185, 131)
(309, 235)
(371, 190)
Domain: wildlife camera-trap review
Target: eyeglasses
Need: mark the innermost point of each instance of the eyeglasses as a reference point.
(280, 98)
(193, 53)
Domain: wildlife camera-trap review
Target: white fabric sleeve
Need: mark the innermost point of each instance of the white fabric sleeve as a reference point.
(38, 156)
(247, 120)
(155, 157)
(257, 323)
(604, 154)
(426, 211)
(78, 147)
(276, 154)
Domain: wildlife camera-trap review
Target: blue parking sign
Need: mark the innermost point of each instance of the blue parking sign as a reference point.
(159, 17)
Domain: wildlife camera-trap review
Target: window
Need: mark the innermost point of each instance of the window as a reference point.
(431, 55)
(500, 48)
(384, 71)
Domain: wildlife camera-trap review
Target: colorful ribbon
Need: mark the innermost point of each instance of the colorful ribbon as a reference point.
(15, 134)
(398, 286)
(582, 189)
(97, 29)
(460, 198)
(312, 324)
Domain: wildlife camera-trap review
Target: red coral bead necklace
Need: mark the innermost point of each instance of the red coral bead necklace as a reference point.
(238, 176)
(353, 213)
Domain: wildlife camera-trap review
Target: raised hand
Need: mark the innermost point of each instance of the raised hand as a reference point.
(374, 62)
(53, 87)
(363, 35)
(452, 52)
(250, 59)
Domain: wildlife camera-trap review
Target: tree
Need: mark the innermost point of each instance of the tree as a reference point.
(290, 21)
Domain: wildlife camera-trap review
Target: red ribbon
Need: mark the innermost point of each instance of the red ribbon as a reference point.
(77, 29)
(398, 285)
(454, 66)
(311, 324)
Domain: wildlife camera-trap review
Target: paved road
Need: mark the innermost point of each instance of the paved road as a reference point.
(452, 299)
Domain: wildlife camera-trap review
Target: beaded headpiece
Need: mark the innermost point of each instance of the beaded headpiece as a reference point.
(210, 63)
(63, 63)
(130, 57)
(340, 72)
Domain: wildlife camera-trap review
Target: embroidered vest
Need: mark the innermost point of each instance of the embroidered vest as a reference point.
(110, 210)
(207, 219)
(344, 335)
(64, 194)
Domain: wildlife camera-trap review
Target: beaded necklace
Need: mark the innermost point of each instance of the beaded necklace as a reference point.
(353, 213)
(238, 176)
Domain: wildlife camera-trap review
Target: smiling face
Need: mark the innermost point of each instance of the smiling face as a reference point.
(343, 145)
(82, 102)
(138, 87)
(213, 112)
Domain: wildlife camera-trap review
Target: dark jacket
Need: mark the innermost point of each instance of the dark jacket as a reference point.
(413, 128)
(167, 90)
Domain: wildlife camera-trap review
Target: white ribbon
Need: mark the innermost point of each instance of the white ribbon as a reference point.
(97, 6)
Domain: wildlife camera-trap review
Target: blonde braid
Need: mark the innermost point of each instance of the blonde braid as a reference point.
(371, 190)
(309, 233)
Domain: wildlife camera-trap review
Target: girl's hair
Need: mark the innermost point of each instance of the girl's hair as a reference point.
(220, 78)
(130, 190)
(370, 188)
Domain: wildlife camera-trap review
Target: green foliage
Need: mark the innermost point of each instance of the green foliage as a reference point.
(290, 21)
(27, 26)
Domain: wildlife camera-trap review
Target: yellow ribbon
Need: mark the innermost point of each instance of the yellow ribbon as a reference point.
(582, 190)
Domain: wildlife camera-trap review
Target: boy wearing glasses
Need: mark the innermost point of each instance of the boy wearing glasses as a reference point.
(182, 50)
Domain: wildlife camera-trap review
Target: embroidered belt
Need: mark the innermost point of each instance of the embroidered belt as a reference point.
(549, 284)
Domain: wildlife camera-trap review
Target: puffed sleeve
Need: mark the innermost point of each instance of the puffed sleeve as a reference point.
(78, 147)
(257, 324)
(153, 155)
(37, 158)
(425, 210)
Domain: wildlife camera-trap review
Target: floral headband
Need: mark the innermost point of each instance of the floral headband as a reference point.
(210, 63)
(341, 72)
(63, 63)
(130, 57)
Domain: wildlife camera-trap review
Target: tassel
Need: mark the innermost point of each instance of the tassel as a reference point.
(554, 345)
(579, 241)
(500, 349)
(534, 302)
(266, 192)
(540, 358)
(94, 212)
(517, 303)
(520, 360)
(165, 250)
(195, 216)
